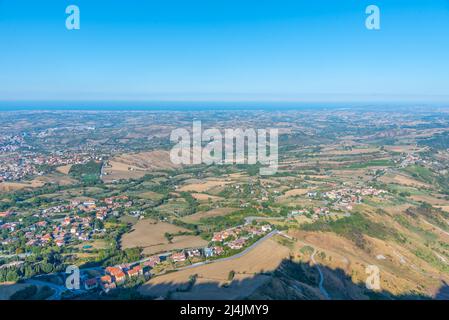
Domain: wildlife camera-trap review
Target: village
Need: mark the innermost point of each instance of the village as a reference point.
(83, 221)
(26, 165)
(42, 230)
(223, 243)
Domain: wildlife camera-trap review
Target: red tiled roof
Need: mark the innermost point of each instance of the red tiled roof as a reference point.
(92, 281)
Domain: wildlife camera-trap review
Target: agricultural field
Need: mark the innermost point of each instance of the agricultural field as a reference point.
(211, 278)
(339, 202)
(150, 235)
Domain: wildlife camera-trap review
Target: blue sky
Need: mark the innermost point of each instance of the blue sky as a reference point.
(224, 50)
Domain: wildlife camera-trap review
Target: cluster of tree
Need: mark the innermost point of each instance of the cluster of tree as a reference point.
(44, 263)
(32, 293)
(191, 201)
(88, 173)
(353, 228)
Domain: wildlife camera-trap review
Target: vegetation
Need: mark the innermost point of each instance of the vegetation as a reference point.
(354, 228)
(88, 173)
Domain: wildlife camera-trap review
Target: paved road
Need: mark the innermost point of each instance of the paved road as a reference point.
(320, 285)
(58, 289)
(241, 254)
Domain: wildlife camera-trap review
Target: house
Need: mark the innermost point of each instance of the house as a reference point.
(89, 203)
(138, 269)
(152, 261)
(134, 272)
(117, 273)
(178, 257)
(101, 215)
(83, 237)
(218, 250)
(113, 271)
(223, 235)
(107, 279)
(146, 270)
(46, 238)
(109, 286)
(208, 252)
(32, 242)
(120, 277)
(5, 214)
(67, 221)
(218, 237)
(266, 228)
(237, 244)
(91, 284)
(41, 223)
(194, 253)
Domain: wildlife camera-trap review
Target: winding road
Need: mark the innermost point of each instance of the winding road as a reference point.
(238, 255)
(58, 289)
(320, 285)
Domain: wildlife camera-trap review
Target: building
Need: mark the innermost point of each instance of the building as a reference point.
(91, 284)
(135, 272)
(132, 273)
(178, 257)
(218, 250)
(209, 252)
(107, 279)
(266, 228)
(237, 244)
(117, 273)
(194, 253)
(120, 277)
(152, 261)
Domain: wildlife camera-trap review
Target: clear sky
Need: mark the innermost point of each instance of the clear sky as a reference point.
(224, 50)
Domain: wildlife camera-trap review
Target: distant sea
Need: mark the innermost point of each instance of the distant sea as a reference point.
(205, 106)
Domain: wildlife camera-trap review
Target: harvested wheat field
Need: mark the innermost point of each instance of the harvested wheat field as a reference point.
(209, 214)
(265, 257)
(204, 186)
(136, 165)
(398, 267)
(150, 235)
(178, 242)
(62, 180)
(430, 199)
(354, 151)
(403, 148)
(14, 186)
(403, 180)
(296, 192)
(64, 169)
(149, 232)
(205, 197)
(444, 208)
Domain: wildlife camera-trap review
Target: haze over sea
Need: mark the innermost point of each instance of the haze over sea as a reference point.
(12, 106)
